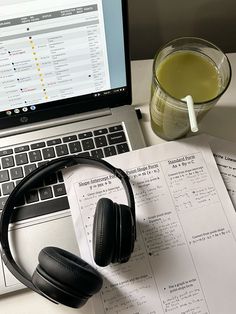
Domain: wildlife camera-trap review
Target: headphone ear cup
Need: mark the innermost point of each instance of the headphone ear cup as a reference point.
(65, 277)
(126, 234)
(104, 232)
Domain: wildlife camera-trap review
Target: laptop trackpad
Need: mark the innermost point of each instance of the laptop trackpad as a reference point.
(28, 241)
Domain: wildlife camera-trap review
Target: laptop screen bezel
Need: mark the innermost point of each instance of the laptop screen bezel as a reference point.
(76, 105)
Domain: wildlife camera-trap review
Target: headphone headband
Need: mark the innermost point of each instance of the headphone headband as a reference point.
(30, 180)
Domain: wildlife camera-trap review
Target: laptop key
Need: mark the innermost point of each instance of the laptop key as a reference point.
(21, 159)
(85, 135)
(41, 208)
(45, 193)
(4, 176)
(122, 148)
(35, 155)
(110, 151)
(7, 188)
(115, 138)
(59, 189)
(2, 202)
(16, 173)
(21, 149)
(70, 138)
(32, 196)
(88, 144)
(6, 152)
(8, 162)
(100, 132)
(115, 128)
(100, 141)
(48, 153)
(38, 145)
(62, 150)
(54, 142)
(97, 153)
(75, 147)
(60, 176)
(29, 168)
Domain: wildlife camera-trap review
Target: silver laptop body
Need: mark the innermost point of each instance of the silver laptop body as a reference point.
(72, 79)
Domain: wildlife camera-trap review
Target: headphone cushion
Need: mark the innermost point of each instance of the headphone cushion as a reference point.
(127, 234)
(104, 232)
(69, 271)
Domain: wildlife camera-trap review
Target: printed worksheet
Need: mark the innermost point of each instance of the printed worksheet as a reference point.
(185, 252)
(225, 156)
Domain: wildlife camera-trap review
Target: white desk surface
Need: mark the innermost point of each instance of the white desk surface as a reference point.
(220, 121)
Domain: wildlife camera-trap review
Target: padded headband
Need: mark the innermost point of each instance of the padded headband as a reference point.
(28, 182)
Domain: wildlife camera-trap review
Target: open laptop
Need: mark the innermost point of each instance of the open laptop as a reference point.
(65, 87)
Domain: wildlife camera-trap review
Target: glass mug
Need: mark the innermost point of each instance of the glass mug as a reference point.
(185, 66)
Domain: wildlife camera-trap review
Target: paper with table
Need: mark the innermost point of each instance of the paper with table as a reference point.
(185, 253)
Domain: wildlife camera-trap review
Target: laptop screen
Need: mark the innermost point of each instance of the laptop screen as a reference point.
(61, 57)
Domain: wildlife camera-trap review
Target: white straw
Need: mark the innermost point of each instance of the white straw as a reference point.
(191, 113)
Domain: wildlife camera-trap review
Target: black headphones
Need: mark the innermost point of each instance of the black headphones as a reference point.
(61, 276)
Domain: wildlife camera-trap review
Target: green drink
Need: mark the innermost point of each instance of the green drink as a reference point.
(186, 66)
(189, 73)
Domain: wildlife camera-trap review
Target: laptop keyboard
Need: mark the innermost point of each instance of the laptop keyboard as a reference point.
(50, 195)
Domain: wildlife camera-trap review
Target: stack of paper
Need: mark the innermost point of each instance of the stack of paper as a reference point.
(184, 260)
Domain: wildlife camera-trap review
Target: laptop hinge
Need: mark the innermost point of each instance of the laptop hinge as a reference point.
(56, 122)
